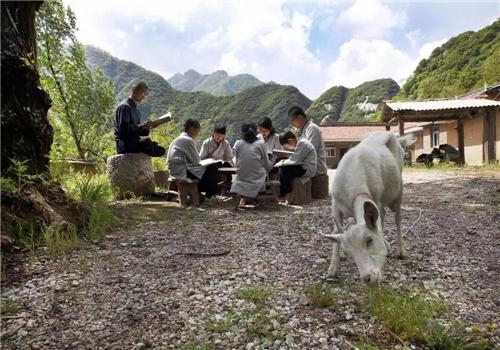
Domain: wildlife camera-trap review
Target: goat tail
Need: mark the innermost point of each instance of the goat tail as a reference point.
(407, 140)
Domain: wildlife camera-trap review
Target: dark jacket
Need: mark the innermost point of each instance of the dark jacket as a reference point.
(126, 127)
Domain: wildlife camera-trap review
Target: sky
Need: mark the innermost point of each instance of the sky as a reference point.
(311, 45)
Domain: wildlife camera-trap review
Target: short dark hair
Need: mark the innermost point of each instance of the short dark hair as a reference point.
(139, 87)
(191, 123)
(266, 123)
(220, 129)
(295, 112)
(249, 132)
(286, 137)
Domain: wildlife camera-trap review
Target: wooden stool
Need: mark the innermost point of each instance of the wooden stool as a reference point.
(319, 186)
(301, 192)
(187, 189)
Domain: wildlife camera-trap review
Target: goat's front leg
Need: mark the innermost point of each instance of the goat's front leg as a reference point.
(338, 217)
(399, 253)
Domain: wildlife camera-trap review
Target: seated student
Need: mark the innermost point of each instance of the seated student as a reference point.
(268, 135)
(252, 165)
(217, 147)
(301, 163)
(312, 133)
(184, 161)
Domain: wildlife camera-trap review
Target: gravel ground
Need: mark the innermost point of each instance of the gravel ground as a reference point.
(162, 284)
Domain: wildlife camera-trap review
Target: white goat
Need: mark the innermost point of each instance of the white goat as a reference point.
(367, 180)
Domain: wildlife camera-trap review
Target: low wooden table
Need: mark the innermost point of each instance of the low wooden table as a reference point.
(224, 185)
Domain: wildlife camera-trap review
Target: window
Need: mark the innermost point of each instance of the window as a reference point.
(435, 136)
(330, 152)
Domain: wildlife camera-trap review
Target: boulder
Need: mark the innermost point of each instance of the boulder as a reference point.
(131, 173)
(161, 179)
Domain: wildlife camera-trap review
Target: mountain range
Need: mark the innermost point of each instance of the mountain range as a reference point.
(272, 100)
(218, 83)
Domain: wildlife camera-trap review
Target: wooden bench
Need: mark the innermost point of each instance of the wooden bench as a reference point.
(186, 189)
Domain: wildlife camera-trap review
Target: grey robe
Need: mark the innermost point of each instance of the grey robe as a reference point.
(221, 151)
(305, 156)
(312, 133)
(272, 142)
(252, 165)
(182, 156)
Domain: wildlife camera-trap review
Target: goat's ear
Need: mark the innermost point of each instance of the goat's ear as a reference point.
(371, 215)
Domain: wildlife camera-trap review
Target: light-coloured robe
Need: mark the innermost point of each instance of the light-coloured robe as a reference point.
(272, 142)
(305, 156)
(312, 133)
(252, 165)
(182, 156)
(221, 151)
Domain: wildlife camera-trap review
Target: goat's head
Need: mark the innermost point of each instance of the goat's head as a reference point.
(365, 242)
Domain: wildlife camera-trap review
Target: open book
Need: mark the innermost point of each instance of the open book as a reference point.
(280, 153)
(157, 122)
(209, 161)
(286, 162)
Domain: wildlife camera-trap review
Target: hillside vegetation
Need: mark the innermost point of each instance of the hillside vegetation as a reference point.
(465, 62)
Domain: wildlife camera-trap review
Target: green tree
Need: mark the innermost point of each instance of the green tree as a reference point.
(82, 99)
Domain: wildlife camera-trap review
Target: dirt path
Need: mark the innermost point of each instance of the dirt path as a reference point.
(157, 286)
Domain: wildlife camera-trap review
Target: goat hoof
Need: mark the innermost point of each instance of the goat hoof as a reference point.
(400, 254)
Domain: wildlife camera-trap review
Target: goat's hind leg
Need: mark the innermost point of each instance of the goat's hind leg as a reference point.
(338, 217)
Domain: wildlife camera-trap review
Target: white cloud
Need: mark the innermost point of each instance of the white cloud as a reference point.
(370, 19)
(362, 60)
(414, 37)
(426, 49)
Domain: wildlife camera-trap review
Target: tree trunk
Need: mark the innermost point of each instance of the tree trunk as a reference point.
(26, 132)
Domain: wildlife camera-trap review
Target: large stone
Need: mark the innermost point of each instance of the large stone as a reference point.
(131, 173)
(161, 179)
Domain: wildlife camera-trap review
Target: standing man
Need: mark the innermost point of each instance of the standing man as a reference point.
(130, 134)
(312, 133)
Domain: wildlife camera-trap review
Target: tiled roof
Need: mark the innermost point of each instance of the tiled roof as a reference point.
(350, 132)
(441, 104)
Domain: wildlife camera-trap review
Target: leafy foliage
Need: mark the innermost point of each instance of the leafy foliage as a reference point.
(218, 83)
(82, 100)
(270, 100)
(341, 104)
(463, 63)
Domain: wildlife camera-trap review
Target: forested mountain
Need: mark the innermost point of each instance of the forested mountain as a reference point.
(465, 62)
(218, 83)
(272, 100)
(358, 104)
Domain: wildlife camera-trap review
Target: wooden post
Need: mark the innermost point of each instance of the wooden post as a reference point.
(401, 126)
(490, 130)
(461, 148)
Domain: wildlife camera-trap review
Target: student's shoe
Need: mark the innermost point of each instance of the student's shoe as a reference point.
(212, 199)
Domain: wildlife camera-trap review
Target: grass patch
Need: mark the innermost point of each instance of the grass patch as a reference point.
(366, 345)
(26, 238)
(60, 241)
(222, 324)
(405, 315)
(198, 345)
(8, 306)
(455, 337)
(410, 317)
(257, 294)
(320, 296)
